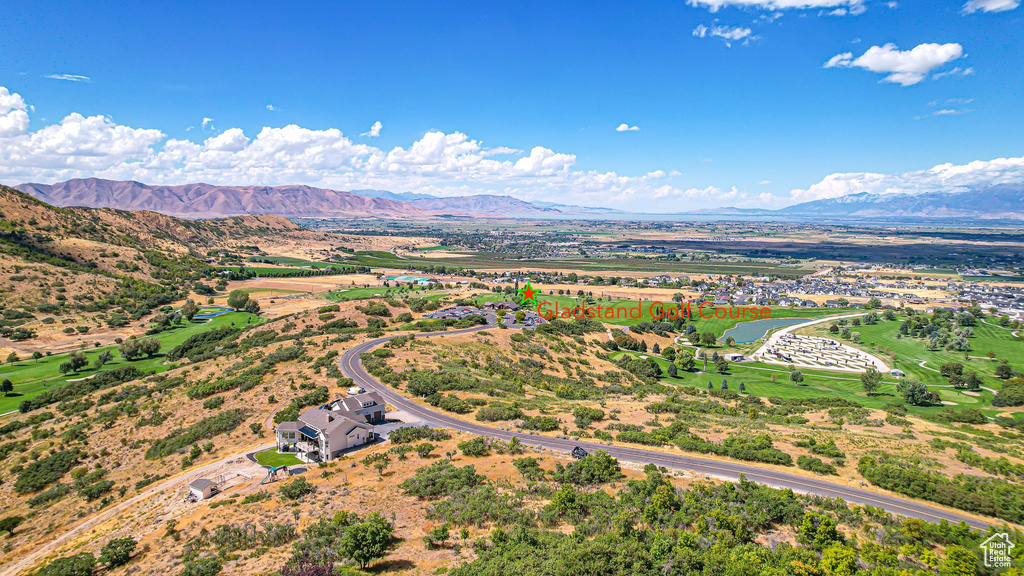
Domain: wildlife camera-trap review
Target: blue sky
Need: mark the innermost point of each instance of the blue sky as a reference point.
(736, 102)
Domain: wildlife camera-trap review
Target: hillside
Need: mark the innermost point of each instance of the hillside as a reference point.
(75, 271)
(209, 201)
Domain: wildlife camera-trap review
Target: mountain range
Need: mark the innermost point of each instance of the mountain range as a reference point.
(1000, 202)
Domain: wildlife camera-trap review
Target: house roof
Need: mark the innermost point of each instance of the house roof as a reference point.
(355, 425)
(316, 418)
(288, 426)
(201, 484)
(356, 403)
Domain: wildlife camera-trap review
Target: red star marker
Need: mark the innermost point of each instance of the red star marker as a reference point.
(529, 294)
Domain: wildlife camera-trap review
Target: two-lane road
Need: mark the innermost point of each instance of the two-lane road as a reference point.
(352, 367)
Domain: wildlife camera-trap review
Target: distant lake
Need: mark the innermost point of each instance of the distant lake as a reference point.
(746, 332)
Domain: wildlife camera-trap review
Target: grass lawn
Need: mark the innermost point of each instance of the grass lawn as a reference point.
(31, 377)
(272, 458)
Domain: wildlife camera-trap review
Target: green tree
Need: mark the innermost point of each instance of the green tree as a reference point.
(914, 392)
(684, 360)
(796, 376)
(130, 349)
(12, 358)
(722, 365)
(238, 299)
(7, 387)
(871, 380)
(959, 562)
(78, 361)
(378, 462)
(190, 309)
(708, 338)
(423, 450)
(672, 370)
(150, 347)
(972, 381)
(367, 541)
(10, 523)
(297, 489)
(839, 560)
(117, 552)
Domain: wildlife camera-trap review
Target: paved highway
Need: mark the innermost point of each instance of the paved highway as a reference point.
(351, 366)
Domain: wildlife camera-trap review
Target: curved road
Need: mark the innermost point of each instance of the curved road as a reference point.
(351, 366)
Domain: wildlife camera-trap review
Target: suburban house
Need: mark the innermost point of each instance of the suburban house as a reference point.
(322, 433)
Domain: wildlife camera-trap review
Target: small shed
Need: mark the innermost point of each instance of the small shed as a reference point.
(202, 488)
(897, 373)
(733, 357)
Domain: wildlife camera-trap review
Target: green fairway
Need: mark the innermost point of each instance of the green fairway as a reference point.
(908, 353)
(756, 378)
(30, 377)
(382, 292)
(272, 458)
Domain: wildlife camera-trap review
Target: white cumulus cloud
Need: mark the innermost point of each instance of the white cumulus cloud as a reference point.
(626, 128)
(13, 114)
(374, 130)
(904, 67)
(439, 163)
(943, 177)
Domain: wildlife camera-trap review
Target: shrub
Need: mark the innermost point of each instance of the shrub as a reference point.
(45, 471)
(297, 489)
(816, 465)
(202, 430)
(498, 412)
(596, 468)
(439, 479)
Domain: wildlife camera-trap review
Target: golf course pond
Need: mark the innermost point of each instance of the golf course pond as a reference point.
(747, 332)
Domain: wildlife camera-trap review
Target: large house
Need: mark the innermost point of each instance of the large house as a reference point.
(322, 433)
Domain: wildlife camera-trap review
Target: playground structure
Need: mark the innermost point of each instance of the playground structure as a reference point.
(272, 473)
